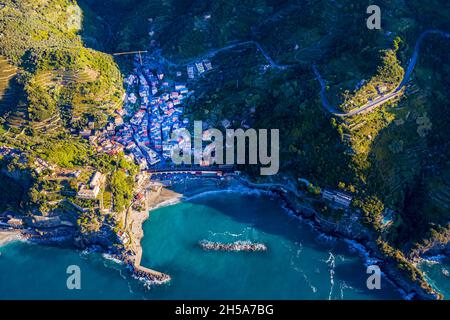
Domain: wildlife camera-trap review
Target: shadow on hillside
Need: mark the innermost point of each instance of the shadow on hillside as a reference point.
(9, 96)
(114, 25)
(400, 176)
(96, 33)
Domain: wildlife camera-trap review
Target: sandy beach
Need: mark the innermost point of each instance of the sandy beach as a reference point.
(155, 196)
(9, 236)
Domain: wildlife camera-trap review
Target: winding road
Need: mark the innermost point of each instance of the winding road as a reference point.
(213, 52)
(378, 102)
(323, 95)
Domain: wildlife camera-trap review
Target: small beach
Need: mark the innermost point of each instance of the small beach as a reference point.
(9, 236)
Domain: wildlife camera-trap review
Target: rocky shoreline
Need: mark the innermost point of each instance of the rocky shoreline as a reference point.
(351, 231)
(348, 229)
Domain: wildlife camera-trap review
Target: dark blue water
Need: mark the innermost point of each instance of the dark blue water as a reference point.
(438, 275)
(299, 264)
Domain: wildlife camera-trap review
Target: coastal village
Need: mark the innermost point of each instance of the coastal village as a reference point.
(141, 128)
(154, 106)
(88, 135)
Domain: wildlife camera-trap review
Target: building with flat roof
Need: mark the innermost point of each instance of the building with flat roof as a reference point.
(92, 190)
(337, 197)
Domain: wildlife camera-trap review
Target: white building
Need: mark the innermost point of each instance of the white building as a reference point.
(200, 67)
(190, 72)
(91, 192)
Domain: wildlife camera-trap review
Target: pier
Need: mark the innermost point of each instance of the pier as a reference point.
(134, 223)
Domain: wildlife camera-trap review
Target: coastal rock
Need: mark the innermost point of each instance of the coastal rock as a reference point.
(349, 227)
(235, 246)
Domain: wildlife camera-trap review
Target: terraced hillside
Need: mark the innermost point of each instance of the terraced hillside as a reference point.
(57, 81)
(59, 76)
(62, 77)
(8, 85)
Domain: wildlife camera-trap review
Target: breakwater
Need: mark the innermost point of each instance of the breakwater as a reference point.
(235, 246)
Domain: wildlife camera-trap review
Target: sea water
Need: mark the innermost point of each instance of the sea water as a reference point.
(437, 272)
(299, 263)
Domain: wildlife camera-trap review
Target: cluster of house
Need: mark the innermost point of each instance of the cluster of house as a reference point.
(343, 200)
(42, 165)
(10, 219)
(7, 152)
(92, 189)
(153, 109)
(123, 237)
(101, 139)
(198, 67)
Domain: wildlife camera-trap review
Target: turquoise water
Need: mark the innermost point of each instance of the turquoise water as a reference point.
(299, 264)
(438, 275)
(29, 271)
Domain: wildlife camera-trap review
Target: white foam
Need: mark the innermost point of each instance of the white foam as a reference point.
(434, 259)
(166, 203)
(112, 258)
(331, 265)
(239, 189)
(150, 283)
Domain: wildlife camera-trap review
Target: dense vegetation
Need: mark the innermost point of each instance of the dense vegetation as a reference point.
(122, 189)
(62, 85)
(12, 193)
(396, 157)
(61, 79)
(389, 75)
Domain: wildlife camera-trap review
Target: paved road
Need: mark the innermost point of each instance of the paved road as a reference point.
(213, 52)
(413, 60)
(326, 104)
(373, 104)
